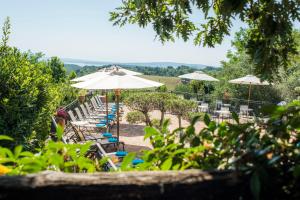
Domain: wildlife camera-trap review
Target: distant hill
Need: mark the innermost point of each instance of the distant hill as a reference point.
(72, 67)
(81, 62)
(154, 71)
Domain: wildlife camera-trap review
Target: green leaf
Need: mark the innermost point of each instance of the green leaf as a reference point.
(274, 160)
(206, 119)
(26, 154)
(167, 164)
(150, 131)
(176, 167)
(17, 151)
(195, 142)
(59, 131)
(127, 161)
(103, 161)
(212, 126)
(5, 137)
(235, 117)
(195, 119)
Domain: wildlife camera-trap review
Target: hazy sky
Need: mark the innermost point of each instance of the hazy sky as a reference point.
(81, 29)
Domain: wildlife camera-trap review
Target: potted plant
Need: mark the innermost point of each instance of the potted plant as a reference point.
(81, 97)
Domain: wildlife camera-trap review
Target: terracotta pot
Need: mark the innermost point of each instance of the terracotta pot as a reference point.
(226, 96)
(81, 99)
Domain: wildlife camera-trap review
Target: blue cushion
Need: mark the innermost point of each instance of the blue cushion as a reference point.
(137, 161)
(112, 139)
(107, 134)
(100, 125)
(104, 121)
(121, 153)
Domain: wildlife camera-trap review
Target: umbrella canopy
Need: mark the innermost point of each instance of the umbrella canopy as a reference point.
(118, 68)
(103, 71)
(88, 76)
(198, 75)
(249, 80)
(116, 80)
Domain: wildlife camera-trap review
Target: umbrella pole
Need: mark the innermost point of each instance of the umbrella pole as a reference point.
(117, 92)
(249, 94)
(106, 102)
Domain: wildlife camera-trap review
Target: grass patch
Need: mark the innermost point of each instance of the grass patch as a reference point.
(170, 82)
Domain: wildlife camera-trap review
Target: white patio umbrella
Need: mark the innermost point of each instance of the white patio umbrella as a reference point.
(105, 70)
(249, 80)
(117, 80)
(101, 73)
(198, 75)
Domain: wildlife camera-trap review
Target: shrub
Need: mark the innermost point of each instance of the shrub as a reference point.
(54, 156)
(185, 90)
(269, 158)
(142, 102)
(191, 115)
(135, 117)
(181, 108)
(31, 92)
(162, 88)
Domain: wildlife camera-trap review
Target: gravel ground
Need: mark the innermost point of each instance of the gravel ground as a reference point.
(133, 134)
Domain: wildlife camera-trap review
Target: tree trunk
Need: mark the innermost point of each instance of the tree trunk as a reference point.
(162, 117)
(179, 123)
(148, 121)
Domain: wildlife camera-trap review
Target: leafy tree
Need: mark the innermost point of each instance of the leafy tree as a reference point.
(72, 75)
(288, 80)
(270, 25)
(162, 103)
(57, 67)
(28, 96)
(240, 64)
(181, 108)
(134, 117)
(197, 87)
(184, 89)
(142, 102)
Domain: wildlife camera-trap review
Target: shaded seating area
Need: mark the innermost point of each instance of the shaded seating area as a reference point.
(87, 123)
(220, 111)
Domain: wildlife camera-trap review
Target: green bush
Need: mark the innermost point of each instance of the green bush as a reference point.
(54, 156)
(142, 102)
(135, 117)
(191, 115)
(269, 157)
(162, 88)
(31, 91)
(185, 90)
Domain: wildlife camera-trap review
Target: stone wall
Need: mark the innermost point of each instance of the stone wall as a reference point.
(190, 184)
